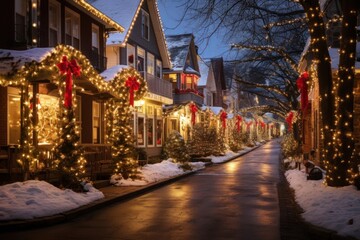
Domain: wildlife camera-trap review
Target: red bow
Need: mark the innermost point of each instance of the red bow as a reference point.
(303, 88)
(134, 86)
(238, 122)
(68, 68)
(262, 124)
(223, 117)
(289, 120)
(193, 109)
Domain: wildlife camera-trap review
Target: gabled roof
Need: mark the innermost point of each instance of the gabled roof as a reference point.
(109, 23)
(204, 71)
(125, 12)
(218, 68)
(181, 47)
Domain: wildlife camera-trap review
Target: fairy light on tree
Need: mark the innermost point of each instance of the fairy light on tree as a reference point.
(129, 86)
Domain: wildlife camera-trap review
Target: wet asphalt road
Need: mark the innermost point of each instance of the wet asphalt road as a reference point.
(234, 200)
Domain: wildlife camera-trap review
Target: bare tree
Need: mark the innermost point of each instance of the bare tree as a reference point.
(268, 33)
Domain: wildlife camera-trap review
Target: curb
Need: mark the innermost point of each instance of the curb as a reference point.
(69, 215)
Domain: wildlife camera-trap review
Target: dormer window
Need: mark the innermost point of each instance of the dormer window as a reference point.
(145, 25)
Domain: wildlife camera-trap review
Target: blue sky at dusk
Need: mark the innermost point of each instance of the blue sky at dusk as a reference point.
(171, 13)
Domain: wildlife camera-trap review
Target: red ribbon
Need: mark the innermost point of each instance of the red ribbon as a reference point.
(303, 88)
(223, 117)
(134, 85)
(193, 109)
(262, 124)
(289, 120)
(238, 122)
(68, 68)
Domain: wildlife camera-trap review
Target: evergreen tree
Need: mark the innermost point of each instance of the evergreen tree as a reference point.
(69, 160)
(176, 148)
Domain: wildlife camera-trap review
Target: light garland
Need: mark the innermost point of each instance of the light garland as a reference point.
(118, 115)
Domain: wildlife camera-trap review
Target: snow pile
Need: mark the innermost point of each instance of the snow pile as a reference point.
(155, 172)
(329, 207)
(32, 199)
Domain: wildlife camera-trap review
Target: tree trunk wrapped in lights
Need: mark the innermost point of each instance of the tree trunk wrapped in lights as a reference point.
(129, 86)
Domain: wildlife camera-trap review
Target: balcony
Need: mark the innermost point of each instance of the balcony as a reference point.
(159, 86)
(98, 62)
(182, 96)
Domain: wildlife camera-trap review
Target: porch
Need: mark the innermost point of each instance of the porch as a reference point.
(98, 167)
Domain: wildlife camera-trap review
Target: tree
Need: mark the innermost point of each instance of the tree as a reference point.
(176, 149)
(336, 95)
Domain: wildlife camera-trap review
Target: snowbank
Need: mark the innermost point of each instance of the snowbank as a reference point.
(329, 207)
(32, 199)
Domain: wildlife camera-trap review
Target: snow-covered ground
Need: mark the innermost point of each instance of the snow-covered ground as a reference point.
(32, 199)
(332, 208)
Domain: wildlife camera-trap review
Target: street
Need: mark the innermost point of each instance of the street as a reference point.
(234, 200)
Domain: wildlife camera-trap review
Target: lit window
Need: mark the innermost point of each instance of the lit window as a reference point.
(54, 23)
(150, 131)
(72, 29)
(158, 69)
(145, 23)
(14, 119)
(140, 131)
(150, 64)
(96, 122)
(141, 60)
(159, 130)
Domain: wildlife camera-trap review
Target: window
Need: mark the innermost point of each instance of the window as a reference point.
(54, 23)
(159, 130)
(14, 118)
(130, 55)
(140, 131)
(77, 111)
(72, 29)
(140, 60)
(150, 64)
(158, 69)
(20, 20)
(188, 84)
(95, 46)
(150, 132)
(145, 23)
(96, 122)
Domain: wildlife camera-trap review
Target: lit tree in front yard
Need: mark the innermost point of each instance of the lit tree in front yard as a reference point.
(129, 86)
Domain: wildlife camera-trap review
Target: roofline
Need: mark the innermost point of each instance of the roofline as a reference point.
(100, 15)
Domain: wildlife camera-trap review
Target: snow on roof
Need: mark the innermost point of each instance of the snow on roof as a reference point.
(189, 69)
(110, 74)
(204, 72)
(178, 46)
(334, 56)
(122, 12)
(11, 60)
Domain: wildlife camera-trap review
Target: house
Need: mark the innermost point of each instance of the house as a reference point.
(37, 36)
(143, 47)
(184, 76)
(311, 142)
